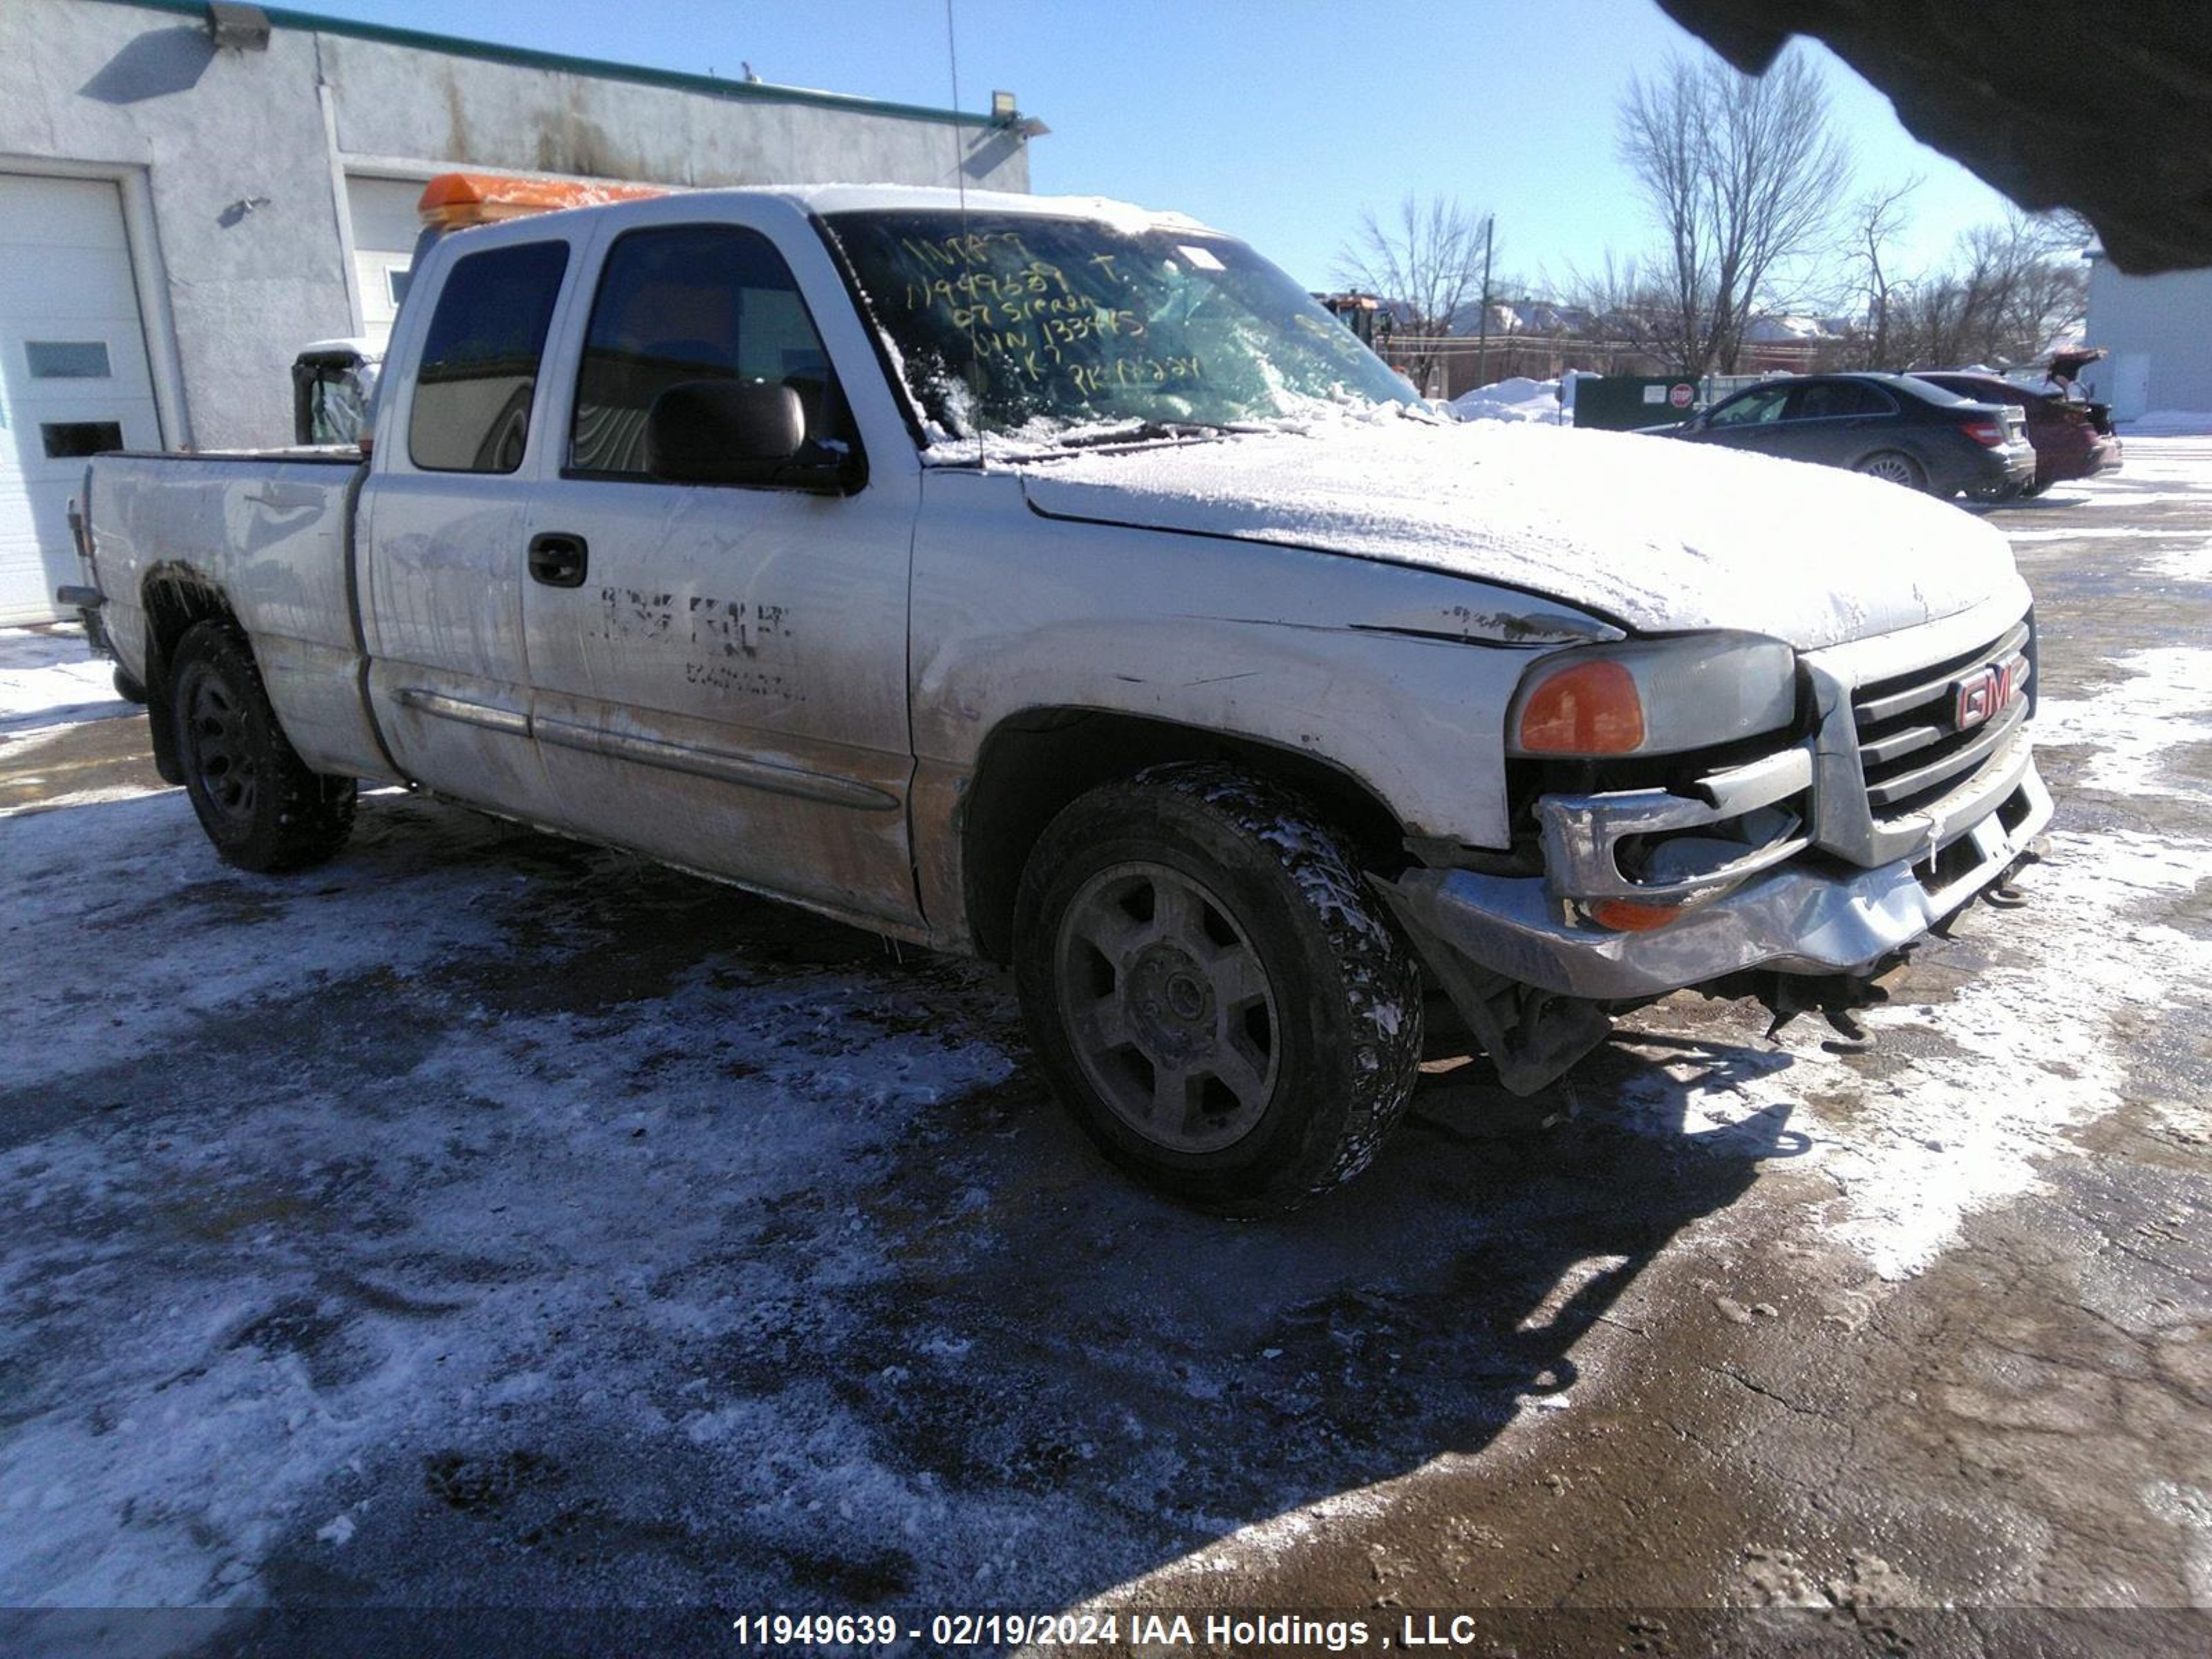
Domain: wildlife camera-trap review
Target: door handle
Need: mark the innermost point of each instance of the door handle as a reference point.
(558, 560)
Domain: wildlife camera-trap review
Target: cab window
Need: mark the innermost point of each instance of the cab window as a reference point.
(1832, 399)
(480, 359)
(690, 303)
(1753, 408)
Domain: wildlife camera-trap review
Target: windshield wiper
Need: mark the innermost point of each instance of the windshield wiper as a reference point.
(1141, 432)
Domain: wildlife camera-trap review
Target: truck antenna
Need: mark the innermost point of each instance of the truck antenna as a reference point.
(960, 184)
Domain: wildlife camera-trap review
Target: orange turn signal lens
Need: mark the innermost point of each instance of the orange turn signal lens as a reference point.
(1627, 916)
(1586, 708)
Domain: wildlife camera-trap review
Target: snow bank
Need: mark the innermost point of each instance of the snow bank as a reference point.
(1515, 399)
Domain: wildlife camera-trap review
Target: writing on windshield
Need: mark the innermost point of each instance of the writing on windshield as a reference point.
(1009, 323)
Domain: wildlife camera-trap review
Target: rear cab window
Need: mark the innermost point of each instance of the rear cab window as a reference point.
(480, 359)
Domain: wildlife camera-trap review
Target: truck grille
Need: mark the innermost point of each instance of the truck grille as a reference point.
(1911, 747)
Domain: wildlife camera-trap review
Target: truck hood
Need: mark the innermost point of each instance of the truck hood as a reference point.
(1659, 537)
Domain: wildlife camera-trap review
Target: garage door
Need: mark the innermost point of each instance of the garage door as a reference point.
(73, 373)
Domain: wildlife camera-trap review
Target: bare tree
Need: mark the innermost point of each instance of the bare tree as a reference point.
(1877, 219)
(1742, 176)
(1624, 309)
(1427, 260)
(2010, 287)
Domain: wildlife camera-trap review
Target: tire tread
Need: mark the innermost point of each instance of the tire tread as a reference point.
(306, 817)
(1382, 979)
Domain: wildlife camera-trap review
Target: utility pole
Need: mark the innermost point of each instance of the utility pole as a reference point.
(1482, 323)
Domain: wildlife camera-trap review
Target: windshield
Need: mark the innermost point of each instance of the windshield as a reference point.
(1063, 328)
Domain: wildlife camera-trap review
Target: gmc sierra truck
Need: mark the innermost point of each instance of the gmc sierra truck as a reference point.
(1056, 581)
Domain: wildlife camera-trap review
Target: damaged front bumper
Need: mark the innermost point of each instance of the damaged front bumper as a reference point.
(1528, 971)
(1799, 919)
(1912, 789)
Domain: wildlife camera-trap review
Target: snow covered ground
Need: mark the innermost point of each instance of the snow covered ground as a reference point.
(486, 1217)
(2169, 423)
(48, 678)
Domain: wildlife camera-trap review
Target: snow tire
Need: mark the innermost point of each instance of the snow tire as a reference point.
(1343, 986)
(258, 802)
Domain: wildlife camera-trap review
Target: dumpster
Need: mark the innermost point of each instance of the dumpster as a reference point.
(1621, 403)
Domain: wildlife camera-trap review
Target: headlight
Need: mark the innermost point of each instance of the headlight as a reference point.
(1654, 696)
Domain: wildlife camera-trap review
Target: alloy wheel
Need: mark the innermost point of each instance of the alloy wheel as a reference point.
(1168, 1006)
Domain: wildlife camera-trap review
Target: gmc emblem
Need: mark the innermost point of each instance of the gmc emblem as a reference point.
(1985, 694)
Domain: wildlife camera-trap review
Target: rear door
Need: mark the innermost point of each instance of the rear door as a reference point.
(720, 671)
(444, 520)
(1838, 422)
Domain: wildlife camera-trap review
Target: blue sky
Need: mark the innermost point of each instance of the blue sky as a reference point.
(1275, 121)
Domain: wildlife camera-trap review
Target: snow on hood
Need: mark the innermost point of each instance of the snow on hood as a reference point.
(1656, 534)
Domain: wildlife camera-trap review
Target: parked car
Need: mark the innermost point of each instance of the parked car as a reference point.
(2071, 439)
(1056, 581)
(1887, 426)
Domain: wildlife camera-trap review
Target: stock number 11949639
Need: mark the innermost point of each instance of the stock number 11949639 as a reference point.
(943, 1630)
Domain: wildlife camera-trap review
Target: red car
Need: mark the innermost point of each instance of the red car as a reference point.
(2070, 439)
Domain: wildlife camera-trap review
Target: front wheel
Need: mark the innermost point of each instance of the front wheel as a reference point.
(1213, 990)
(258, 802)
(1894, 466)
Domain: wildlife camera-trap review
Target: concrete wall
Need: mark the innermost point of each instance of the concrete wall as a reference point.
(2159, 330)
(236, 161)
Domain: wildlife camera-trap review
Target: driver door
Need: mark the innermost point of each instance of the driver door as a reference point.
(719, 670)
(1752, 420)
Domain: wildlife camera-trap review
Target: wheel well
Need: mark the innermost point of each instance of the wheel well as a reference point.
(175, 600)
(1037, 762)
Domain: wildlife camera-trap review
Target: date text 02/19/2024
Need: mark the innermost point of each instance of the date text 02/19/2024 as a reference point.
(1074, 1630)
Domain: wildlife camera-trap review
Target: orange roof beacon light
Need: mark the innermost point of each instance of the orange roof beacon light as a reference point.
(455, 201)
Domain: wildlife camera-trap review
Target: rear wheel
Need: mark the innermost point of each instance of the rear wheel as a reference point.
(1213, 990)
(256, 799)
(1895, 466)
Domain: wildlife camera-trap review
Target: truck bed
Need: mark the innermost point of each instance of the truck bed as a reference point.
(271, 531)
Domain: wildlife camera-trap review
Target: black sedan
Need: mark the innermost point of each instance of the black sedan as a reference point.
(1888, 426)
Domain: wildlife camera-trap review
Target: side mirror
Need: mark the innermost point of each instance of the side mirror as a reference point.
(732, 432)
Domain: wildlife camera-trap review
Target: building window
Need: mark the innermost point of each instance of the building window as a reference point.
(689, 303)
(395, 278)
(67, 441)
(480, 361)
(67, 360)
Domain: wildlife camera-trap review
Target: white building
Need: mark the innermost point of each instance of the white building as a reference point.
(189, 193)
(2158, 331)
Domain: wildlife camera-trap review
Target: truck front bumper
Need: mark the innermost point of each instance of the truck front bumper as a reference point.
(1815, 914)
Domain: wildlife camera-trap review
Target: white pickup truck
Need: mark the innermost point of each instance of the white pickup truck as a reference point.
(1056, 581)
